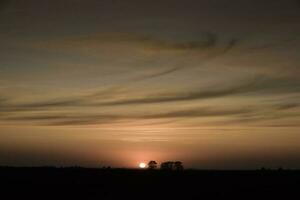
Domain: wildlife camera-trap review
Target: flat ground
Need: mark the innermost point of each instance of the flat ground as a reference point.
(82, 183)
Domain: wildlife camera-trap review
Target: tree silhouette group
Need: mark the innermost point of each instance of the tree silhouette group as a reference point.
(168, 165)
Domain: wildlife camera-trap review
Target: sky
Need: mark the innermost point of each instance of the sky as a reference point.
(213, 83)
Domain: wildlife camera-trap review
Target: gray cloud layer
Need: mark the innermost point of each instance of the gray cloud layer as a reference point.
(204, 36)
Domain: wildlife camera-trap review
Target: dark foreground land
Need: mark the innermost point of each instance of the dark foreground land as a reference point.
(81, 183)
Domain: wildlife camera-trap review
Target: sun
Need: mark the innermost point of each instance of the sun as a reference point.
(142, 165)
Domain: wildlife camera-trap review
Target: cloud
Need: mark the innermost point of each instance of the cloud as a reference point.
(234, 115)
(287, 106)
(44, 105)
(287, 125)
(265, 116)
(60, 119)
(275, 44)
(187, 96)
(115, 97)
(2, 99)
(251, 115)
(102, 107)
(156, 98)
(231, 44)
(161, 73)
(137, 47)
(86, 100)
(200, 112)
(209, 40)
(66, 102)
(205, 45)
(257, 84)
(146, 42)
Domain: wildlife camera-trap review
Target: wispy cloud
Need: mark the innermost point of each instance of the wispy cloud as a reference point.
(287, 106)
(143, 51)
(146, 42)
(257, 84)
(160, 73)
(200, 112)
(112, 97)
(275, 44)
(166, 97)
(62, 102)
(230, 114)
(61, 118)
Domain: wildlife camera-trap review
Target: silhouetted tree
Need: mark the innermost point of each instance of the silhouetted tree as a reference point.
(170, 165)
(178, 166)
(167, 165)
(152, 164)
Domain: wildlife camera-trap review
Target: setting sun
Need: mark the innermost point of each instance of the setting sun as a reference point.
(142, 165)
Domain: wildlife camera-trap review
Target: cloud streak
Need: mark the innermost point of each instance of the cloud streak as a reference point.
(146, 42)
(145, 48)
(103, 99)
(161, 73)
(84, 119)
(237, 115)
(258, 84)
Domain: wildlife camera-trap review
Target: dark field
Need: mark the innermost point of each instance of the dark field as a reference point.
(81, 183)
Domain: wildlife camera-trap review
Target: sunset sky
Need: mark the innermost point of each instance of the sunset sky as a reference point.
(213, 83)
